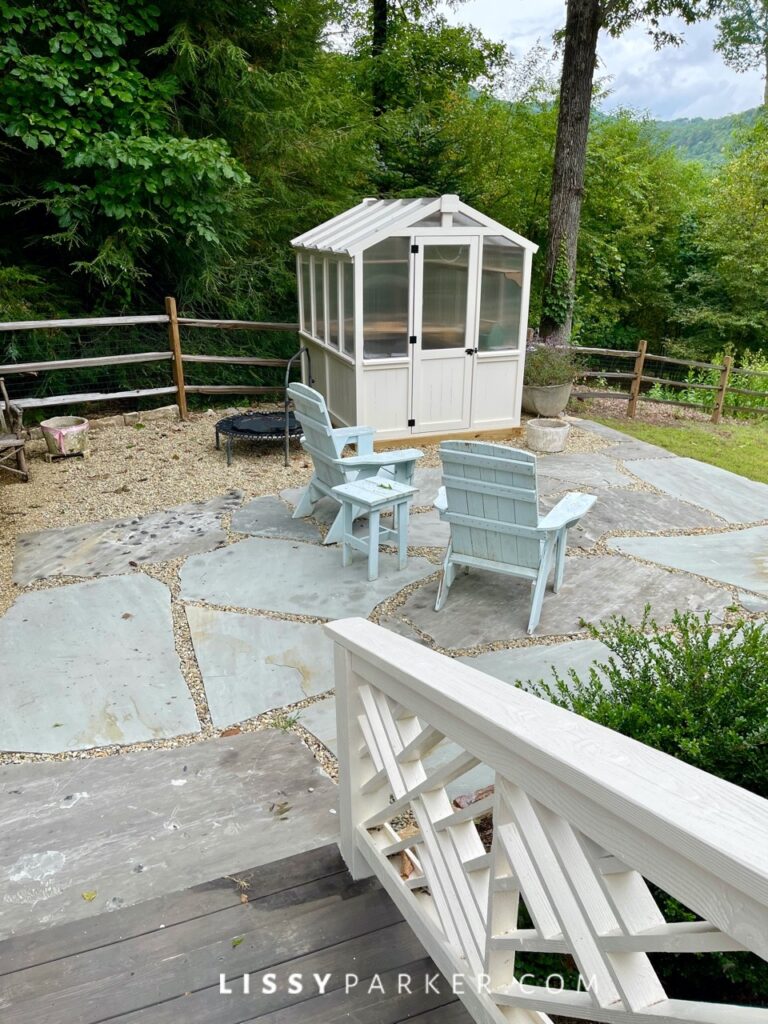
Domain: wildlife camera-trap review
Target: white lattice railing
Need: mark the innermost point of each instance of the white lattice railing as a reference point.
(582, 816)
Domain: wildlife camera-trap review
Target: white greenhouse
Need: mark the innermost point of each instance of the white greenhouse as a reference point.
(415, 312)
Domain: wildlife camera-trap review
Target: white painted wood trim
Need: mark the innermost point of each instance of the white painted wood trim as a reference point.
(582, 816)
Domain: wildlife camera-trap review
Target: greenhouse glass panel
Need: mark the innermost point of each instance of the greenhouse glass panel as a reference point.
(333, 303)
(444, 303)
(319, 331)
(306, 296)
(501, 294)
(348, 305)
(385, 299)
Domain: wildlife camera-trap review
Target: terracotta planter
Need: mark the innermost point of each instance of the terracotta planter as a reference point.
(548, 400)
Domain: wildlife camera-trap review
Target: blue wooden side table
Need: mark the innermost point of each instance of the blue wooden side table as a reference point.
(373, 496)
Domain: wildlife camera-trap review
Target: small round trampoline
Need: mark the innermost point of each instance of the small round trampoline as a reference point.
(257, 426)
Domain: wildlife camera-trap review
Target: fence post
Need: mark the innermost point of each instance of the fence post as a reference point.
(178, 366)
(725, 372)
(634, 388)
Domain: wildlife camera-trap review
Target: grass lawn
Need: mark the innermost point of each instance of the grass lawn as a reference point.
(742, 448)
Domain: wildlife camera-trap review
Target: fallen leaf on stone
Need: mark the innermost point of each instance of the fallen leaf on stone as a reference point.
(89, 896)
(126, 615)
(243, 897)
(234, 731)
(236, 942)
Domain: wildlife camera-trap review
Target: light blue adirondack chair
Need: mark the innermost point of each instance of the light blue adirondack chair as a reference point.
(325, 444)
(490, 498)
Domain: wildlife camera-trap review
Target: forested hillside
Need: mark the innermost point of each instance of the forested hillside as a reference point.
(706, 139)
(176, 148)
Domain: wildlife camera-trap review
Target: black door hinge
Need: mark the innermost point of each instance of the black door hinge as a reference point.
(412, 339)
(414, 248)
(411, 423)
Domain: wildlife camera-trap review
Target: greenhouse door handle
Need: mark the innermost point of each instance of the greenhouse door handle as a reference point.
(470, 351)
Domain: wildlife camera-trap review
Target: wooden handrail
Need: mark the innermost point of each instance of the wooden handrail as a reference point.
(581, 817)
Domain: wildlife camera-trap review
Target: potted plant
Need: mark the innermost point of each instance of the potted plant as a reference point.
(548, 379)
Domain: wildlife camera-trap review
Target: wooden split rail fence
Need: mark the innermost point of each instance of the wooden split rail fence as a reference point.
(638, 375)
(173, 354)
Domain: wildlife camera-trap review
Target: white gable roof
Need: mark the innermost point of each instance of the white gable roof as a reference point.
(375, 219)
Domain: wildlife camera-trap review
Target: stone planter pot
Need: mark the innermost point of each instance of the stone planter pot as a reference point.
(65, 435)
(547, 435)
(546, 400)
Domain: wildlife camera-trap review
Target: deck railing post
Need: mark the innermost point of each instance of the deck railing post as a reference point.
(174, 338)
(722, 387)
(352, 803)
(634, 389)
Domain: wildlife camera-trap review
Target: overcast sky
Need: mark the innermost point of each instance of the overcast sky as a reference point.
(686, 81)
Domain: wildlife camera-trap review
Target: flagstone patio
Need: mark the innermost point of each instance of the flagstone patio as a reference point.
(105, 663)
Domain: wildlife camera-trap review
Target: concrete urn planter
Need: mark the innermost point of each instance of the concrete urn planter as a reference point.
(547, 435)
(65, 435)
(546, 400)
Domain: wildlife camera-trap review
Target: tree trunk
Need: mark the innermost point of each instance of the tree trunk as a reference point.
(380, 16)
(582, 25)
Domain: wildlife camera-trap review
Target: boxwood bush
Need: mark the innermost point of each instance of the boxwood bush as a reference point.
(700, 694)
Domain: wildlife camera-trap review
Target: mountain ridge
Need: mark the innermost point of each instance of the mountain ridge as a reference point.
(705, 140)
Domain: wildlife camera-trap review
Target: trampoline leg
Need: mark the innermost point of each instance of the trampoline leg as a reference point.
(229, 451)
(218, 442)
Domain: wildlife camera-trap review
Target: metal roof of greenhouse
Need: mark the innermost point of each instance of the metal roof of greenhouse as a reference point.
(375, 219)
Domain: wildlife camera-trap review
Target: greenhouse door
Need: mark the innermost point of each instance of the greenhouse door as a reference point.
(444, 329)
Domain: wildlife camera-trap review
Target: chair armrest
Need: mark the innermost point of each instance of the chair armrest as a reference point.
(567, 511)
(360, 437)
(382, 458)
(441, 501)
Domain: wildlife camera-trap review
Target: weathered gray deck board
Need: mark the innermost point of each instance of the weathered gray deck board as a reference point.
(131, 827)
(39, 948)
(160, 962)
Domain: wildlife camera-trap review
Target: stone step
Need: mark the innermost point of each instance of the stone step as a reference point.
(81, 837)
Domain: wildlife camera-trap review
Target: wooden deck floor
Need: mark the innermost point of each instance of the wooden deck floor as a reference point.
(160, 962)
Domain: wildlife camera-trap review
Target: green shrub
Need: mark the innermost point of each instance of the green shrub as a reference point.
(546, 365)
(700, 694)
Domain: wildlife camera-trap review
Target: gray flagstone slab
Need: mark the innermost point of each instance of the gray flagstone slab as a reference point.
(631, 448)
(485, 607)
(92, 664)
(739, 558)
(427, 530)
(592, 427)
(530, 664)
(582, 471)
(287, 576)
(623, 446)
(320, 719)
(115, 545)
(733, 497)
(251, 665)
(271, 517)
(622, 511)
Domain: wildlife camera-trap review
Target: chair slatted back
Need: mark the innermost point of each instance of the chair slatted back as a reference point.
(492, 502)
(312, 413)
